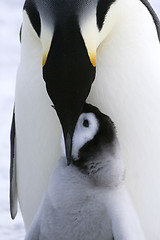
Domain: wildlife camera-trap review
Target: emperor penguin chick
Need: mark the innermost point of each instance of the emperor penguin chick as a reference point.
(87, 200)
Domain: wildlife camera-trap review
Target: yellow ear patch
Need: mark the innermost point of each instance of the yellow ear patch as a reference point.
(92, 57)
(44, 59)
(90, 33)
(46, 39)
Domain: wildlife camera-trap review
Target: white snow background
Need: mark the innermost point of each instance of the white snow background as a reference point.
(10, 22)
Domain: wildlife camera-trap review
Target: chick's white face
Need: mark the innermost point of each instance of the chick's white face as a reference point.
(85, 130)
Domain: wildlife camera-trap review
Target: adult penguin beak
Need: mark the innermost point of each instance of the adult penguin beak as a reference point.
(68, 73)
(68, 115)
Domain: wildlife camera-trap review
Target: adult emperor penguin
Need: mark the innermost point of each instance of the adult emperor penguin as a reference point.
(88, 199)
(63, 43)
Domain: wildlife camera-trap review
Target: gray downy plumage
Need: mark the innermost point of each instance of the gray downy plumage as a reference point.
(87, 200)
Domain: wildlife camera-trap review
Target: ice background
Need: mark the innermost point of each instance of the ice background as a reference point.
(10, 22)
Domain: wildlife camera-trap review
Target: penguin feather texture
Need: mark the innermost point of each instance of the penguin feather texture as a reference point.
(88, 201)
(124, 44)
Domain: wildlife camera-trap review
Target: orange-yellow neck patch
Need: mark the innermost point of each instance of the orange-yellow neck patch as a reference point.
(44, 59)
(92, 57)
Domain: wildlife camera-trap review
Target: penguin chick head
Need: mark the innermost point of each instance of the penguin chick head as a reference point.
(95, 148)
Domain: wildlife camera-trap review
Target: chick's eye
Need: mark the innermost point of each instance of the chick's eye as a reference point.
(86, 123)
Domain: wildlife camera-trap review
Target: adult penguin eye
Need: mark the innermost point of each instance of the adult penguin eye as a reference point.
(86, 123)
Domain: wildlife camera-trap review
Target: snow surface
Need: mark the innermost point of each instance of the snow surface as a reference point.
(10, 22)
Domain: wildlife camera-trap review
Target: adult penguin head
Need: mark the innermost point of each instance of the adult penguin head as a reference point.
(69, 54)
(69, 73)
